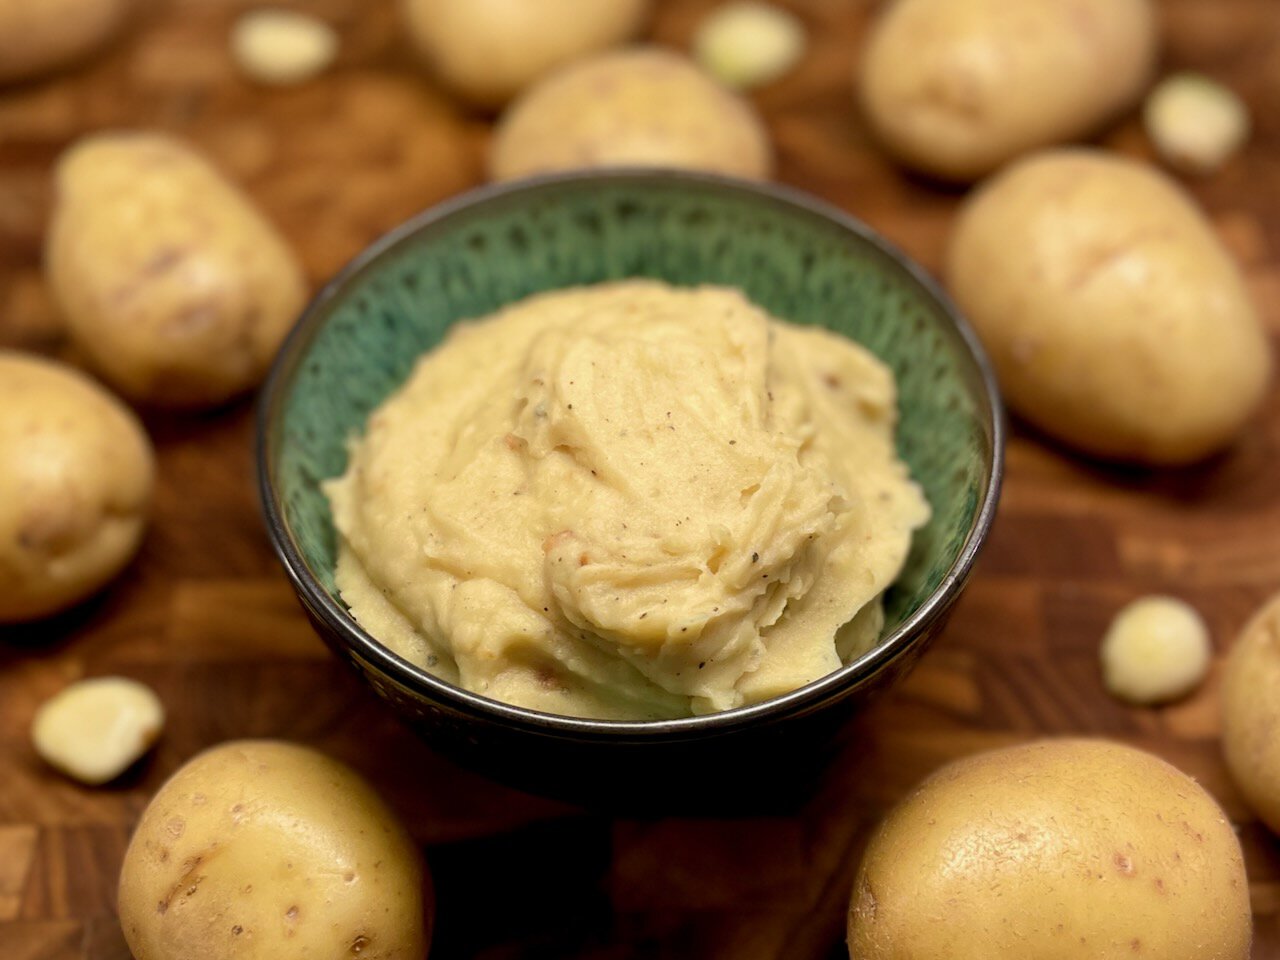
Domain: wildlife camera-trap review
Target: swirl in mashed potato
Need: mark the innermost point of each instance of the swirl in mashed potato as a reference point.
(629, 501)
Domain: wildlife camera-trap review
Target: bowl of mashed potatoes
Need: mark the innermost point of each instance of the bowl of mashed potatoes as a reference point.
(614, 484)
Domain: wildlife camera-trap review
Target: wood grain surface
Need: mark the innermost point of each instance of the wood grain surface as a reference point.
(205, 615)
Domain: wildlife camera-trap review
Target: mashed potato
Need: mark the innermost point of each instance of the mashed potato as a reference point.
(629, 501)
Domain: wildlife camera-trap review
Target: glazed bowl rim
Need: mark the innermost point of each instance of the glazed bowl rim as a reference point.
(422, 683)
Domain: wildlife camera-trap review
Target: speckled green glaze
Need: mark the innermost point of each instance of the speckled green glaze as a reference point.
(794, 261)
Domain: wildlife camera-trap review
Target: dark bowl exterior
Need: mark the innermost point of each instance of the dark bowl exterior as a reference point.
(760, 753)
(754, 768)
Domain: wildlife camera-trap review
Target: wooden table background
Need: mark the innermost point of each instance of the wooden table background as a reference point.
(205, 615)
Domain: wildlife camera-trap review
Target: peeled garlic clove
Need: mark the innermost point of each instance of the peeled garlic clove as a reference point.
(1195, 123)
(94, 730)
(281, 47)
(747, 44)
(1157, 649)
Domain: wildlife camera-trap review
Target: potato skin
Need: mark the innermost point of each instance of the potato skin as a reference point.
(37, 36)
(955, 88)
(1053, 850)
(173, 284)
(641, 106)
(261, 850)
(76, 481)
(1115, 318)
(1251, 713)
(490, 50)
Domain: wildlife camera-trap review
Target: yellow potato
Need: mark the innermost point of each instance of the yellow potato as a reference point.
(170, 280)
(41, 35)
(1251, 713)
(1116, 319)
(260, 850)
(76, 479)
(640, 106)
(957, 87)
(1054, 850)
(490, 50)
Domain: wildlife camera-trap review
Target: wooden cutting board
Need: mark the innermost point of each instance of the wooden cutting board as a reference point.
(206, 618)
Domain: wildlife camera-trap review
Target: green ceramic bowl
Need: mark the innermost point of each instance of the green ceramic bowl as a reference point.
(798, 258)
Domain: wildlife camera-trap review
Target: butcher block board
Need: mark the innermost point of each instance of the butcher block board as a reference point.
(206, 617)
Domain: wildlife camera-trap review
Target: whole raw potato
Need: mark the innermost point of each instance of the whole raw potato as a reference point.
(1116, 319)
(261, 850)
(76, 479)
(490, 50)
(170, 280)
(1251, 713)
(957, 87)
(41, 35)
(1054, 850)
(641, 106)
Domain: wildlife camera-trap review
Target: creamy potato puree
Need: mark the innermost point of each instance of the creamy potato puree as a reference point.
(629, 501)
